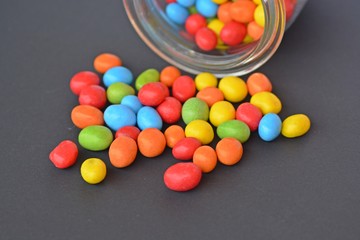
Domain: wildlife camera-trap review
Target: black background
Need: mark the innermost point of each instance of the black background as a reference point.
(305, 188)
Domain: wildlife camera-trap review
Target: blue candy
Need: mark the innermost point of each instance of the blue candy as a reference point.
(117, 116)
(148, 117)
(269, 127)
(177, 13)
(207, 8)
(186, 3)
(132, 102)
(118, 74)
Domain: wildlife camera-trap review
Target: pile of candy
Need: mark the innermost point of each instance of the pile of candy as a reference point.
(217, 24)
(137, 110)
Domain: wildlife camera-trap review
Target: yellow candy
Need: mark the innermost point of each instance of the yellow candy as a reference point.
(220, 112)
(257, 2)
(248, 39)
(203, 80)
(295, 126)
(93, 170)
(219, 1)
(267, 102)
(216, 25)
(259, 15)
(234, 88)
(201, 130)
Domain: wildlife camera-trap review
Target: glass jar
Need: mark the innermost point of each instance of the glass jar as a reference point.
(171, 42)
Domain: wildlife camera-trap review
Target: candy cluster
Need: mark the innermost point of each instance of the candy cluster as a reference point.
(128, 115)
(218, 24)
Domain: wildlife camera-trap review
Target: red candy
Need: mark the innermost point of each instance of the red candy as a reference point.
(183, 88)
(64, 155)
(83, 79)
(233, 33)
(249, 114)
(182, 177)
(206, 39)
(94, 96)
(289, 8)
(185, 148)
(170, 110)
(152, 94)
(129, 131)
(194, 23)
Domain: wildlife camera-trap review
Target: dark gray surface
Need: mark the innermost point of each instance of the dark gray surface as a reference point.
(305, 188)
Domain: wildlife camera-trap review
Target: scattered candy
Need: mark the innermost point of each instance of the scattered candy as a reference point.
(85, 115)
(258, 82)
(64, 155)
(210, 95)
(235, 129)
(182, 177)
(295, 126)
(201, 130)
(95, 138)
(234, 88)
(122, 151)
(151, 142)
(83, 79)
(93, 170)
(170, 110)
(117, 74)
(184, 149)
(93, 95)
(168, 75)
(173, 134)
(249, 114)
(229, 151)
(193, 109)
(118, 115)
(183, 88)
(220, 112)
(205, 158)
(148, 117)
(149, 75)
(105, 61)
(129, 131)
(269, 127)
(204, 80)
(117, 91)
(152, 94)
(267, 102)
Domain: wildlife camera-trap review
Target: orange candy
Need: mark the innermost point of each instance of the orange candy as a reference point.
(258, 82)
(205, 158)
(85, 115)
(151, 142)
(210, 95)
(223, 12)
(255, 30)
(173, 134)
(169, 74)
(105, 61)
(243, 11)
(122, 151)
(229, 151)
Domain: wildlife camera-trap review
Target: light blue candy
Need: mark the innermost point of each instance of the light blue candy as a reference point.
(186, 3)
(269, 127)
(117, 116)
(132, 102)
(118, 74)
(177, 13)
(148, 117)
(207, 8)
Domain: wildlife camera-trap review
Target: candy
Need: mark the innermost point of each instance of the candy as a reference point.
(216, 25)
(259, 15)
(206, 39)
(132, 102)
(267, 102)
(205, 158)
(93, 170)
(193, 109)
(289, 8)
(147, 76)
(220, 112)
(254, 31)
(242, 11)
(194, 23)
(205, 79)
(235, 129)
(182, 177)
(249, 114)
(148, 117)
(85, 115)
(184, 149)
(117, 91)
(83, 79)
(207, 8)
(173, 134)
(151, 142)
(94, 96)
(269, 127)
(64, 155)
(258, 82)
(152, 94)
(220, 1)
(170, 110)
(234, 88)
(186, 3)
(118, 115)
(229, 151)
(129, 131)
(105, 61)
(177, 13)
(210, 95)
(117, 74)
(122, 151)
(223, 12)
(169, 74)
(95, 138)
(183, 88)
(201, 130)
(295, 126)
(233, 33)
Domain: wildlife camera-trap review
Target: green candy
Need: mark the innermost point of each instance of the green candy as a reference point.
(150, 75)
(235, 129)
(95, 138)
(117, 91)
(193, 109)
